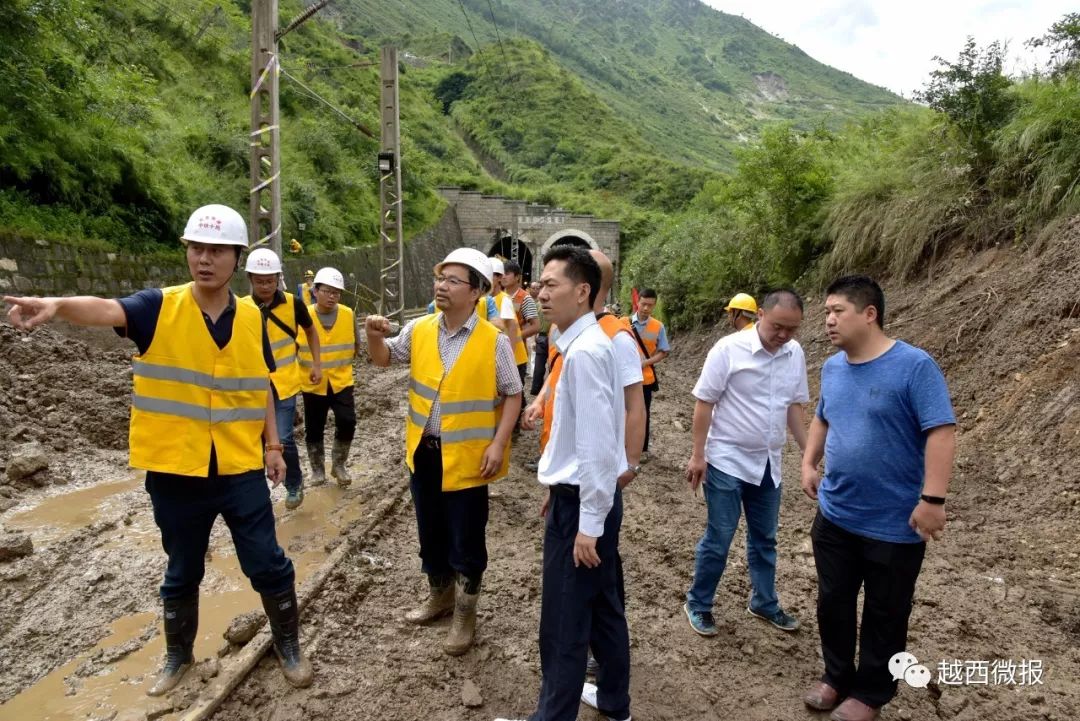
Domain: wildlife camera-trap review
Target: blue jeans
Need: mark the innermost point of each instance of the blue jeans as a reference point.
(726, 496)
(185, 508)
(285, 413)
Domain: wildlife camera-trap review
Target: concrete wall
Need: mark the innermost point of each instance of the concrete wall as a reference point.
(39, 267)
(485, 218)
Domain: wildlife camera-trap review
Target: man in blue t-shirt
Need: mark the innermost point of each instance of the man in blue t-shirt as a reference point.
(886, 428)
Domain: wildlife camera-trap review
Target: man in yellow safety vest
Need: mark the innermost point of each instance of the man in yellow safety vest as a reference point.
(201, 418)
(464, 398)
(285, 315)
(338, 345)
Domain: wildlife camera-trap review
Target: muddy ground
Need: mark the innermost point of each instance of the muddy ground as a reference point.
(1002, 584)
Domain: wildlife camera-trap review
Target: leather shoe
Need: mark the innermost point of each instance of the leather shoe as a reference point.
(822, 697)
(854, 710)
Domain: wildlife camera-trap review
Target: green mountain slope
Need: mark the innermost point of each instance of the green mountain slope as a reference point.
(695, 81)
(117, 118)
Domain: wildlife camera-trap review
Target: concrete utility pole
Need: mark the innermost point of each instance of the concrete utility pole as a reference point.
(264, 221)
(391, 238)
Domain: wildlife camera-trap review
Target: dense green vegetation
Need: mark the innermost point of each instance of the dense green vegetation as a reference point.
(118, 118)
(992, 159)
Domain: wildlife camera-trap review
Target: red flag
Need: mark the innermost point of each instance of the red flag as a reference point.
(633, 299)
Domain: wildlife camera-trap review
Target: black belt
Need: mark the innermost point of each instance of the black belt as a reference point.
(564, 489)
(430, 442)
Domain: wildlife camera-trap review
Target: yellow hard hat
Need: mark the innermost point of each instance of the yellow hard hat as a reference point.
(742, 301)
(309, 274)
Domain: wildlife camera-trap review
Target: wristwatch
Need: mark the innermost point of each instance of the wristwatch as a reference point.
(933, 500)
(636, 469)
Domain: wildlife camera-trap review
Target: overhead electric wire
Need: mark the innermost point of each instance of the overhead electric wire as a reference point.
(338, 111)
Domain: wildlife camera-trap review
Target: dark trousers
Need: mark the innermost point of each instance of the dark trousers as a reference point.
(341, 403)
(887, 572)
(539, 364)
(452, 525)
(647, 392)
(581, 608)
(185, 509)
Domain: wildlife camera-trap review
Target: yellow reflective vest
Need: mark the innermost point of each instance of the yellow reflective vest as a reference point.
(189, 395)
(337, 346)
(469, 401)
(286, 378)
(520, 354)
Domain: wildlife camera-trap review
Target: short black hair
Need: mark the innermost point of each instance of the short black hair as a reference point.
(511, 266)
(475, 279)
(580, 267)
(782, 296)
(647, 293)
(861, 290)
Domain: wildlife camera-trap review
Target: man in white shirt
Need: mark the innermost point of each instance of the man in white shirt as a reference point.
(751, 389)
(582, 604)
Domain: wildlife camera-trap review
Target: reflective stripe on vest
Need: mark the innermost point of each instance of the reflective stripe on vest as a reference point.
(189, 395)
(337, 348)
(469, 402)
(286, 378)
(650, 336)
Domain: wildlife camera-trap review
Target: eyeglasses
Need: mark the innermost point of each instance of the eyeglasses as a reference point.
(331, 292)
(452, 281)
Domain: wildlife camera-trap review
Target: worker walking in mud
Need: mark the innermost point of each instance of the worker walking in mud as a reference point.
(285, 316)
(339, 345)
(582, 602)
(651, 336)
(464, 398)
(886, 429)
(742, 311)
(203, 429)
(749, 394)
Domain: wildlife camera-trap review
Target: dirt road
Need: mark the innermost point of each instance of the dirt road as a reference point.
(1002, 585)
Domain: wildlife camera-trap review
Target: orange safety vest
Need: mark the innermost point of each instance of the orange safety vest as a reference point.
(610, 325)
(650, 336)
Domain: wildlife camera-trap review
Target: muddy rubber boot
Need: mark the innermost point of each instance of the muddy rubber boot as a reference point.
(463, 627)
(440, 601)
(338, 455)
(284, 615)
(317, 456)
(181, 625)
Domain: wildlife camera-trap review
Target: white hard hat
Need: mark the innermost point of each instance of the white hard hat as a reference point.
(263, 261)
(497, 266)
(470, 258)
(217, 225)
(331, 277)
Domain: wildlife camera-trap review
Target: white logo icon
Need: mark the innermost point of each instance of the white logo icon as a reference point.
(904, 666)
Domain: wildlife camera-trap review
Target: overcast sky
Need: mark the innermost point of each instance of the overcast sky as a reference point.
(891, 43)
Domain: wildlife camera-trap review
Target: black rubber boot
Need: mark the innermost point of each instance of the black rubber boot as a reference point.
(317, 456)
(339, 455)
(181, 627)
(284, 615)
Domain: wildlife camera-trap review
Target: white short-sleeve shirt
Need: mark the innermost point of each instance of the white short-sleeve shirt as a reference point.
(751, 390)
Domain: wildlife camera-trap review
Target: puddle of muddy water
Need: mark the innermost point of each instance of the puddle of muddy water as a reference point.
(120, 685)
(60, 515)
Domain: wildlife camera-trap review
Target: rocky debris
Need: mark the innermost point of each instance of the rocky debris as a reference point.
(27, 462)
(244, 627)
(15, 545)
(207, 669)
(470, 694)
